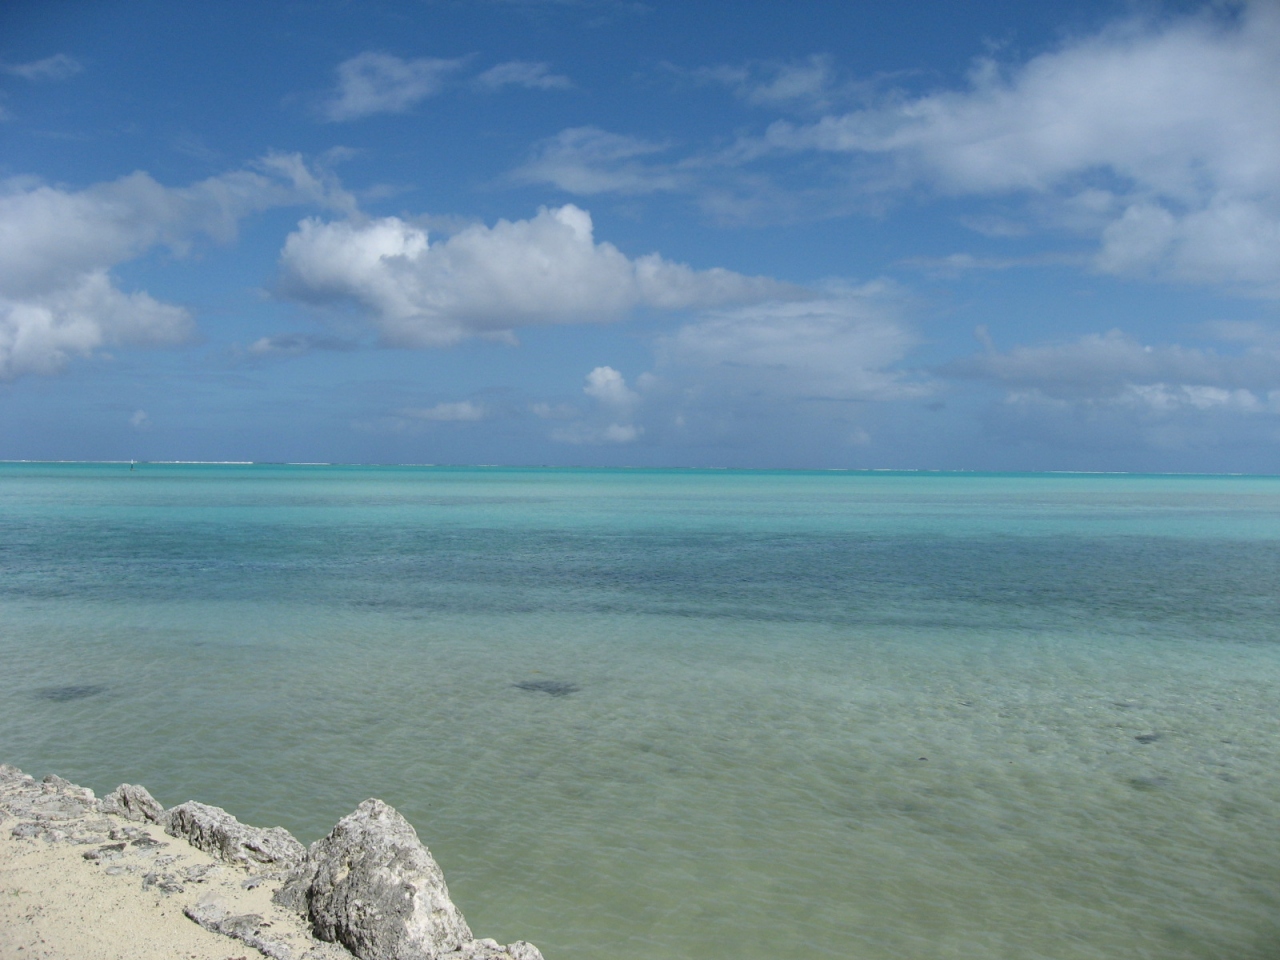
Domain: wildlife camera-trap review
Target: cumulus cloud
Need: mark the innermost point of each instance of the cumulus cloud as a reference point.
(374, 82)
(487, 281)
(608, 386)
(612, 418)
(1164, 138)
(57, 247)
(40, 331)
(523, 73)
(844, 347)
(57, 67)
(461, 411)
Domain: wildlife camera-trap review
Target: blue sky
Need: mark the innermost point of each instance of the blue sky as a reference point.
(980, 235)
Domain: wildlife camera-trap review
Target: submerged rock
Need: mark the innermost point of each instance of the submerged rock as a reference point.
(69, 693)
(555, 688)
(215, 831)
(373, 887)
(133, 803)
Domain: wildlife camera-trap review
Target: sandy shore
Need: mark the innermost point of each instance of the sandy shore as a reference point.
(78, 883)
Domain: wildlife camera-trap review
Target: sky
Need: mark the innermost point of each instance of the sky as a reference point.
(981, 235)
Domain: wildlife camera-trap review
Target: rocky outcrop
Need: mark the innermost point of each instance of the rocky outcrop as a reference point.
(369, 889)
(45, 804)
(215, 831)
(372, 886)
(133, 803)
(248, 928)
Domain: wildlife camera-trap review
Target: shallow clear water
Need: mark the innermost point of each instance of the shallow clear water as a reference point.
(678, 714)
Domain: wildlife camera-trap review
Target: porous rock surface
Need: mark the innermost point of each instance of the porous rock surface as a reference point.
(215, 831)
(133, 803)
(372, 886)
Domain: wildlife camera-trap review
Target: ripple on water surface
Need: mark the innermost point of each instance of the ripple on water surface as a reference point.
(628, 719)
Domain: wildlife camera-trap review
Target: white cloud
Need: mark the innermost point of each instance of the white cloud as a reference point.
(139, 420)
(523, 73)
(487, 281)
(1168, 135)
(57, 247)
(843, 347)
(608, 386)
(612, 420)
(373, 82)
(461, 411)
(39, 332)
(57, 67)
(587, 160)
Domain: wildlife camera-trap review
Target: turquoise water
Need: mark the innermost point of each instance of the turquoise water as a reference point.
(679, 714)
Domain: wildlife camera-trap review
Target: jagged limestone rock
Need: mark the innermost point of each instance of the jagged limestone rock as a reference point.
(247, 927)
(372, 886)
(215, 831)
(133, 803)
(50, 800)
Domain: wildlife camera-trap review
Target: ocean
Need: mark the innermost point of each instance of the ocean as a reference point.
(670, 714)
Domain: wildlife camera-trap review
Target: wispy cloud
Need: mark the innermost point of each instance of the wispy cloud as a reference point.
(811, 83)
(57, 67)
(535, 75)
(460, 411)
(1163, 140)
(1113, 365)
(373, 82)
(297, 345)
(845, 345)
(1156, 139)
(587, 160)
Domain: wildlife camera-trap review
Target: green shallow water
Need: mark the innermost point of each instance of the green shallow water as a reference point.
(751, 667)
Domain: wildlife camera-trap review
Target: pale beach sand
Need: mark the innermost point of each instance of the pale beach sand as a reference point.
(78, 883)
(56, 905)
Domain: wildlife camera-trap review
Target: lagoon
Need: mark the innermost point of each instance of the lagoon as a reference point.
(684, 713)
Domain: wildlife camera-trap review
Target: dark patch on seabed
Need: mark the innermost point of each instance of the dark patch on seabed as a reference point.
(556, 688)
(74, 692)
